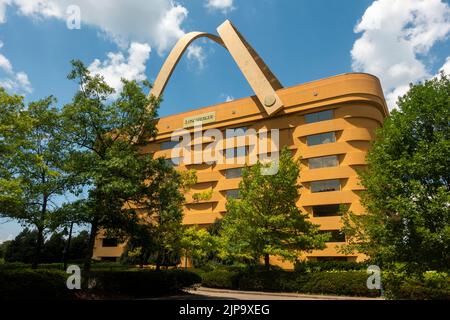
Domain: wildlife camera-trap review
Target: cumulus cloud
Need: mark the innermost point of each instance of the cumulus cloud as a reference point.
(396, 37)
(117, 66)
(224, 6)
(157, 22)
(11, 80)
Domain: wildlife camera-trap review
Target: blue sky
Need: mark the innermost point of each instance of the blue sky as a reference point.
(400, 41)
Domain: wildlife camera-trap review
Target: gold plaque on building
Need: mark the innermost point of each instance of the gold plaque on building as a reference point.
(203, 118)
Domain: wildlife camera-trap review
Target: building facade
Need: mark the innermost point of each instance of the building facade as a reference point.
(329, 124)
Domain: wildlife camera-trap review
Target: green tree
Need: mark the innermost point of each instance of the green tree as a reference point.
(33, 159)
(79, 246)
(198, 244)
(407, 184)
(22, 248)
(265, 220)
(104, 135)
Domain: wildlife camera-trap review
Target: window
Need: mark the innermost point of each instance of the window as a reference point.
(331, 259)
(236, 132)
(330, 210)
(110, 259)
(323, 162)
(335, 235)
(322, 138)
(236, 152)
(325, 186)
(233, 173)
(109, 242)
(319, 116)
(166, 145)
(232, 194)
(173, 162)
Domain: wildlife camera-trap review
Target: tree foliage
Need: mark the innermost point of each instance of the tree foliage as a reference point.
(33, 160)
(266, 221)
(104, 135)
(407, 195)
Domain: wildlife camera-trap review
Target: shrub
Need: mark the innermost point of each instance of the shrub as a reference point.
(26, 284)
(429, 286)
(318, 266)
(351, 283)
(142, 283)
(220, 278)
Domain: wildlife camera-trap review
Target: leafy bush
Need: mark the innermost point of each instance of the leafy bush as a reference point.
(352, 283)
(142, 283)
(25, 284)
(431, 285)
(220, 278)
(318, 266)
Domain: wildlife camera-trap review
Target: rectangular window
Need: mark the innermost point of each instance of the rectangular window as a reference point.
(323, 162)
(232, 194)
(235, 152)
(325, 186)
(233, 173)
(335, 235)
(109, 242)
(319, 116)
(167, 145)
(236, 132)
(321, 138)
(330, 210)
(173, 162)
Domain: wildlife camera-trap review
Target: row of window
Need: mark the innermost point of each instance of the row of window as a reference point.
(309, 118)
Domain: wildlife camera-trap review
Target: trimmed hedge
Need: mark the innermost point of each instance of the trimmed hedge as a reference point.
(319, 266)
(142, 283)
(26, 284)
(351, 283)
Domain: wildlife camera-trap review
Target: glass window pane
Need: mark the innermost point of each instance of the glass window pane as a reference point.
(325, 186)
(166, 145)
(319, 116)
(325, 115)
(241, 152)
(328, 137)
(109, 242)
(315, 163)
(173, 162)
(313, 140)
(323, 162)
(233, 173)
(330, 161)
(335, 235)
(233, 194)
(326, 210)
(229, 153)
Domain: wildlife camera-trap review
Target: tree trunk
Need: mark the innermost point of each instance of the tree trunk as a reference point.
(91, 243)
(38, 248)
(267, 261)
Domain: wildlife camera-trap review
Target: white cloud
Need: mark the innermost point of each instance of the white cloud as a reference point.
(10, 80)
(196, 53)
(446, 66)
(396, 37)
(117, 66)
(224, 6)
(8, 238)
(157, 22)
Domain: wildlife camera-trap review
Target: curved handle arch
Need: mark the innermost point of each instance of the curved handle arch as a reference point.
(257, 73)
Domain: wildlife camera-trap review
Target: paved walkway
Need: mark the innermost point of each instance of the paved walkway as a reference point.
(213, 294)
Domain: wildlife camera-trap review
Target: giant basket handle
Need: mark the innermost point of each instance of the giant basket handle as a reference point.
(258, 75)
